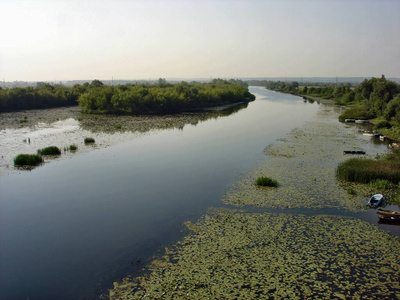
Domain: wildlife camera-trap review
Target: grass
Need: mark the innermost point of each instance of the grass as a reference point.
(28, 160)
(89, 140)
(73, 147)
(266, 181)
(52, 150)
(357, 112)
(369, 170)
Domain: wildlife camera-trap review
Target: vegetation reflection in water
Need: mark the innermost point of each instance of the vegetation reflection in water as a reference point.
(237, 255)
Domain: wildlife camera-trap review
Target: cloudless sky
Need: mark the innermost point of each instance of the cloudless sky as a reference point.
(142, 39)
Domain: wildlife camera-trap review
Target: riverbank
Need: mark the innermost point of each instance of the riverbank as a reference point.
(30, 130)
(238, 254)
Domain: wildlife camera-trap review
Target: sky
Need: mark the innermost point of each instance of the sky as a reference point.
(54, 40)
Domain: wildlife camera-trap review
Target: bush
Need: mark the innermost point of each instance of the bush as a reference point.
(52, 150)
(266, 181)
(383, 124)
(89, 140)
(28, 160)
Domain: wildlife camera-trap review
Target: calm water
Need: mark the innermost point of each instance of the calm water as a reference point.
(70, 226)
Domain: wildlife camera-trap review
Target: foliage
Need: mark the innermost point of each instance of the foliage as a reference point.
(44, 95)
(266, 181)
(73, 147)
(28, 160)
(52, 150)
(382, 124)
(382, 184)
(162, 97)
(89, 140)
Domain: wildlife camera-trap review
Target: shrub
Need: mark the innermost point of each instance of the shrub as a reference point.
(266, 181)
(28, 160)
(89, 140)
(52, 150)
(73, 147)
(382, 124)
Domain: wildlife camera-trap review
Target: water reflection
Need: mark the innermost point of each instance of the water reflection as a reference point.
(117, 123)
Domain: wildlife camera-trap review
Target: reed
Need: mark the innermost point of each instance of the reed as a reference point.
(28, 160)
(368, 170)
(73, 147)
(52, 150)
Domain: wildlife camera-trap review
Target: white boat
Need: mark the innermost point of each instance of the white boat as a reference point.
(371, 134)
(361, 121)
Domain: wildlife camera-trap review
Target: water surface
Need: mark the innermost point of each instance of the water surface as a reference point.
(72, 225)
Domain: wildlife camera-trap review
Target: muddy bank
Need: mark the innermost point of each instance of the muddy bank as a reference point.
(28, 131)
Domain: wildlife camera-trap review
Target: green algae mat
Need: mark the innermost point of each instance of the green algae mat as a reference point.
(236, 255)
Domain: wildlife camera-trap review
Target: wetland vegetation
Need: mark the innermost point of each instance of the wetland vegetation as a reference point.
(51, 150)
(28, 160)
(238, 255)
(266, 181)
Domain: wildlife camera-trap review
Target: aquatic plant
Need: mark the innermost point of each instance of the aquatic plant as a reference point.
(367, 170)
(118, 126)
(266, 181)
(28, 160)
(89, 140)
(52, 150)
(73, 147)
(233, 255)
(382, 184)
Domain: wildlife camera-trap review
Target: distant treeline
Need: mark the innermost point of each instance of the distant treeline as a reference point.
(42, 96)
(376, 98)
(163, 97)
(96, 97)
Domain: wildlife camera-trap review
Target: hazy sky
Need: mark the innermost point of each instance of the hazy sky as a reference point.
(141, 39)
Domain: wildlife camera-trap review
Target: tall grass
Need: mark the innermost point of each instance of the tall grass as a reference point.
(28, 160)
(52, 150)
(368, 170)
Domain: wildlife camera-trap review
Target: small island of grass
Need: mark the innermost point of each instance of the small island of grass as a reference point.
(27, 160)
(266, 181)
(89, 140)
(51, 150)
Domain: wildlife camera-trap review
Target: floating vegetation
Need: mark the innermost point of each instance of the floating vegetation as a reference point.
(28, 160)
(270, 256)
(89, 140)
(304, 163)
(73, 147)
(266, 181)
(51, 150)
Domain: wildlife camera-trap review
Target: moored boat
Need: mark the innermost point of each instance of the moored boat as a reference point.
(388, 212)
(376, 200)
(349, 120)
(361, 121)
(389, 219)
(353, 152)
(372, 134)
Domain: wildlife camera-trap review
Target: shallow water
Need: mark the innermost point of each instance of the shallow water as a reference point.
(88, 218)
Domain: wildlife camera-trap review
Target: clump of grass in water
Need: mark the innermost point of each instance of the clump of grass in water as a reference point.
(28, 160)
(118, 126)
(351, 191)
(266, 181)
(52, 150)
(73, 147)
(89, 140)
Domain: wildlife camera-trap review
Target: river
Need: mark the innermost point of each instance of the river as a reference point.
(72, 226)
